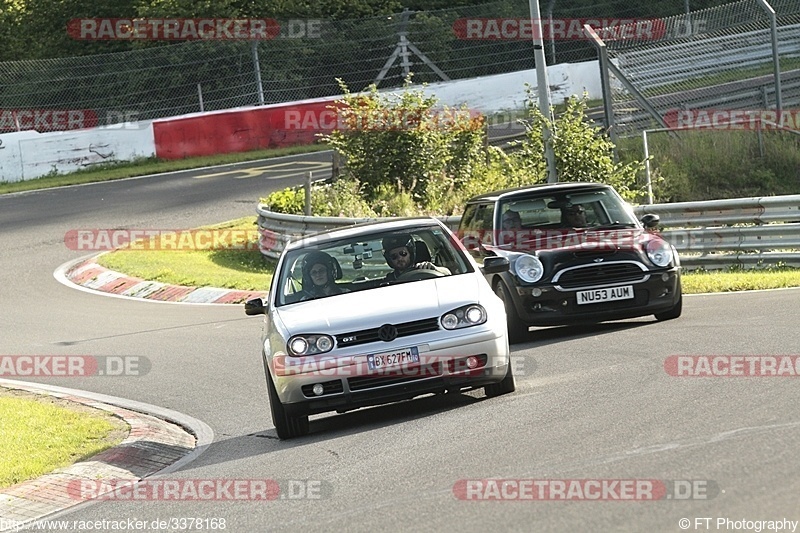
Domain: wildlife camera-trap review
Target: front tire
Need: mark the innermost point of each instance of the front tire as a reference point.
(286, 426)
(504, 387)
(517, 330)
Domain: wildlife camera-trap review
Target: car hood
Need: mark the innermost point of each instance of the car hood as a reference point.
(393, 304)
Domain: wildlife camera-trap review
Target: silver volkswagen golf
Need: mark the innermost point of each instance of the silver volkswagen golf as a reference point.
(378, 313)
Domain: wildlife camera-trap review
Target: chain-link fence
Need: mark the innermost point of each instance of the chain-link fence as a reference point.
(711, 68)
(154, 80)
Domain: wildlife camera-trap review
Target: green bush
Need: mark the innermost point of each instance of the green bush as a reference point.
(288, 200)
(407, 143)
(404, 158)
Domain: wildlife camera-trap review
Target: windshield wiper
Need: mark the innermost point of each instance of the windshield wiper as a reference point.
(613, 225)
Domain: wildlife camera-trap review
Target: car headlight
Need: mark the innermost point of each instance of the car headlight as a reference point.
(310, 344)
(529, 268)
(464, 317)
(659, 251)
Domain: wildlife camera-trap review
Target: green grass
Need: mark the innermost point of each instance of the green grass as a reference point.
(250, 270)
(226, 268)
(148, 166)
(739, 280)
(37, 435)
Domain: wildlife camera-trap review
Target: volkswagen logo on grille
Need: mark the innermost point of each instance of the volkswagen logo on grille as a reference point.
(387, 332)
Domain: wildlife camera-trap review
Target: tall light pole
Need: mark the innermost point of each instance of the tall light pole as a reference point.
(543, 88)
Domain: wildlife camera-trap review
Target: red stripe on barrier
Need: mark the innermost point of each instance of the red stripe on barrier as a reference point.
(243, 130)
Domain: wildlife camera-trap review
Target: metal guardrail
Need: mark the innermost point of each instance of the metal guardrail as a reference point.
(278, 229)
(735, 232)
(711, 234)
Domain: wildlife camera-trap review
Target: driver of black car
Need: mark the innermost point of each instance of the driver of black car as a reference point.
(399, 250)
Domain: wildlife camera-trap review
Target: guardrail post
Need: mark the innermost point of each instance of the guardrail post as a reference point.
(335, 165)
(307, 187)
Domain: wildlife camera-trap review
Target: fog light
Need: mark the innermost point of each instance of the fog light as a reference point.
(472, 362)
(450, 321)
(536, 292)
(318, 389)
(664, 277)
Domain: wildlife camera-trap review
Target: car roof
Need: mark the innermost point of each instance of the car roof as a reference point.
(361, 228)
(541, 188)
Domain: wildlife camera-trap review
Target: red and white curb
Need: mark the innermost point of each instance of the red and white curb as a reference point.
(87, 275)
(160, 441)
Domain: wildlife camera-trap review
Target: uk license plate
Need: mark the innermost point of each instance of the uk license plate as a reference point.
(605, 295)
(393, 359)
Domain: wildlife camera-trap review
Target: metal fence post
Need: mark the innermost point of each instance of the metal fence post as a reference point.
(200, 96)
(257, 71)
(773, 28)
(307, 187)
(647, 169)
(608, 104)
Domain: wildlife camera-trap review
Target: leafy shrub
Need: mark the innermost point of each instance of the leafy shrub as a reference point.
(290, 201)
(406, 142)
(583, 152)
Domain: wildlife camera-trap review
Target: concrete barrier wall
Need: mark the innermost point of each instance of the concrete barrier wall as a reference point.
(28, 154)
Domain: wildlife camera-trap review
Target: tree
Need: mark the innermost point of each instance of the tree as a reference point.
(583, 152)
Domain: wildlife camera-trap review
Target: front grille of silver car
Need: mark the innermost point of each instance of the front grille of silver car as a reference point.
(405, 329)
(601, 274)
(395, 377)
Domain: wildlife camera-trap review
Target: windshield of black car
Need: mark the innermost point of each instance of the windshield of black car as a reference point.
(598, 209)
(324, 269)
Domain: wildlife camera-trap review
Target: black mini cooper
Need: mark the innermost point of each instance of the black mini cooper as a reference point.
(577, 254)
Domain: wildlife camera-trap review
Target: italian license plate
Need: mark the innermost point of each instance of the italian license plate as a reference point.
(393, 359)
(605, 295)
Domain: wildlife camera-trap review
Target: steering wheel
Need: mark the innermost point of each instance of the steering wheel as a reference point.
(421, 273)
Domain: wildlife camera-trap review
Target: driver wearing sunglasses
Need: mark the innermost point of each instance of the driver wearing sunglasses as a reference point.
(399, 251)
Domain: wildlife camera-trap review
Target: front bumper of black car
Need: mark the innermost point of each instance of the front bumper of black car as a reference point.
(546, 304)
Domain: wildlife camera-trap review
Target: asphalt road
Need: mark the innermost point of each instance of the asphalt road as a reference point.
(592, 403)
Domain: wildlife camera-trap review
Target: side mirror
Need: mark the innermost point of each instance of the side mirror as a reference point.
(651, 221)
(495, 265)
(255, 307)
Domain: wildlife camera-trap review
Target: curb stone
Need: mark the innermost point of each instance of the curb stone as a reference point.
(88, 274)
(153, 445)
